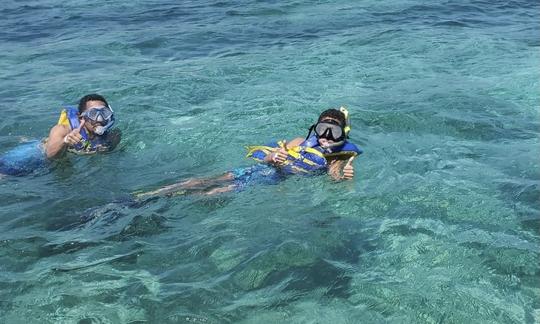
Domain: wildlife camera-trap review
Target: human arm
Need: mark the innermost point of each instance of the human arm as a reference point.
(60, 137)
(279, 154)
(207, 186)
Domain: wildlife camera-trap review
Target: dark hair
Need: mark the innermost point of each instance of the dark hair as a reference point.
(335, 114)
(90, 97)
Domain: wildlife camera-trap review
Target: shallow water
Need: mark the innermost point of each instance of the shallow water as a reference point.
(440, 225)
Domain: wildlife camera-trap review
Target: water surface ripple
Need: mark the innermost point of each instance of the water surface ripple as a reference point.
(440, 225)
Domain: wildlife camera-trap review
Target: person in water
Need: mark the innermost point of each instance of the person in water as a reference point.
(84, 130)
(324, 150)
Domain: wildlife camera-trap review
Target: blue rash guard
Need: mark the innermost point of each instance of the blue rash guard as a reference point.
(23, 159)
(256, 174)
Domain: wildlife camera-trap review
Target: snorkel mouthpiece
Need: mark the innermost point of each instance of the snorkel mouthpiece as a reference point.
(100, 130)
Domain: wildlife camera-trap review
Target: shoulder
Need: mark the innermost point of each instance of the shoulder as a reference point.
(347, 151)
(59, 130)
(351, 147)
(296, 142)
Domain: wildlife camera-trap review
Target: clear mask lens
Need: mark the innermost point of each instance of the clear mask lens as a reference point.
(100, 114)
(329, 131)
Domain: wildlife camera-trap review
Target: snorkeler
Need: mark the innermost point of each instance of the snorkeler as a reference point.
(327, 150)
(83, 130)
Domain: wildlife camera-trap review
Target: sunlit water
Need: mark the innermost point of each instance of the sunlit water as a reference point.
(440, 225)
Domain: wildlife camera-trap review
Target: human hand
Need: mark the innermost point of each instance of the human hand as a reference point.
(279, 155)
(348, 169)
(74, 136)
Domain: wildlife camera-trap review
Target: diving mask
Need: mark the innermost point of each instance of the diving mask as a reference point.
(101, 115)
(330, 130)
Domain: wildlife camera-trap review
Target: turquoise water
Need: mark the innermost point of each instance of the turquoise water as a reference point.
(440, 225)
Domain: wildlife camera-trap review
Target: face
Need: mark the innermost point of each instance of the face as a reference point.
(324, 142)
(90, 125)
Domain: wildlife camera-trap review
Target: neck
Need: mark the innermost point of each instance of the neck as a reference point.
(90, 135)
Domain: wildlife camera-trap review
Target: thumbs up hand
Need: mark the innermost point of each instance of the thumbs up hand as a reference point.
(348, 169)
(74, 136)
(279, 155)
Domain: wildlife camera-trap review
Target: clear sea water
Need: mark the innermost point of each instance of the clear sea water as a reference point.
(440, 225)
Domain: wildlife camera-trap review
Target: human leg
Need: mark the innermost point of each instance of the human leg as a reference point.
(193, 185)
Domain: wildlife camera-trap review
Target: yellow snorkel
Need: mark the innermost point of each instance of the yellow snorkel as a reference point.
(347, 127)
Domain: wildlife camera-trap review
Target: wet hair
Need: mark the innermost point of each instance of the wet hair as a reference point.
(90, 97)
(335, 114)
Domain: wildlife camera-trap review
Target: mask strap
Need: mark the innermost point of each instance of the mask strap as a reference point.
(310, 130)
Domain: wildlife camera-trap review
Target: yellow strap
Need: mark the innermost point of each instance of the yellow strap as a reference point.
(252, 149)
(294, 152)
(63, 120)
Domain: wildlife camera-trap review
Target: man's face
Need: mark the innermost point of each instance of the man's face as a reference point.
(90, 125)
